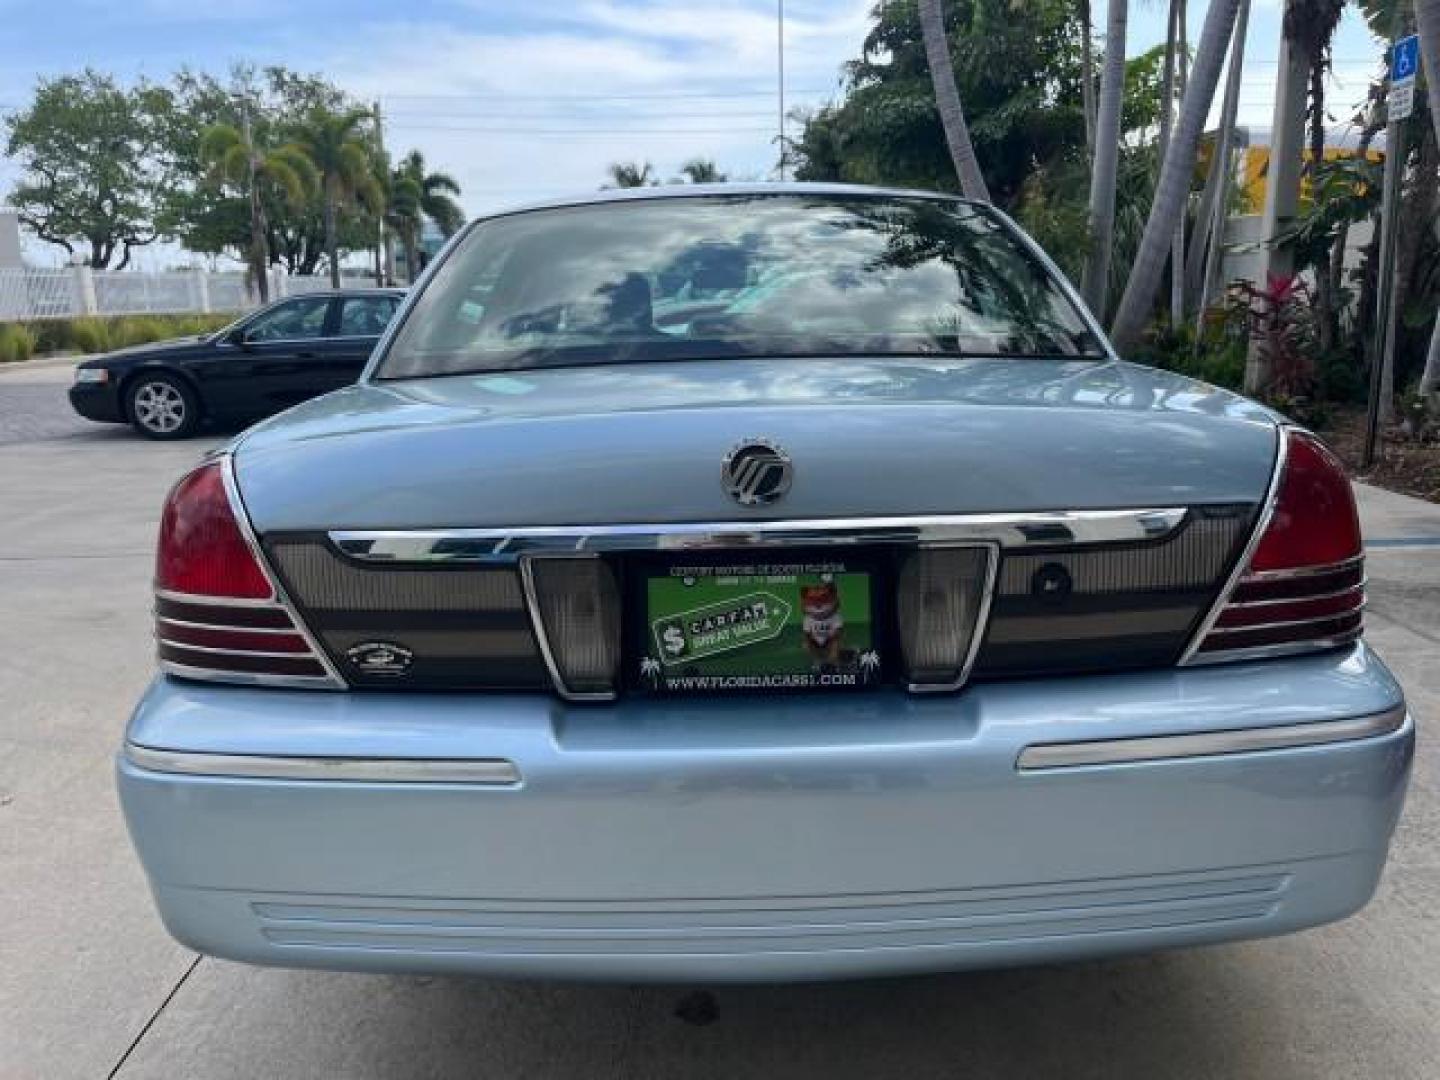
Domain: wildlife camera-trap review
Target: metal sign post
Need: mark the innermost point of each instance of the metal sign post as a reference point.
(1404, 66)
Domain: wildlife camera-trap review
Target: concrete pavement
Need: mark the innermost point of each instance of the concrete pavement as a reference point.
(91, 986)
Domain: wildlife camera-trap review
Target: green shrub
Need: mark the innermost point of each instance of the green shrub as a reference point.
(17, 342)
(94, 334)
(90, 335)
(137, 330)
(53, 335)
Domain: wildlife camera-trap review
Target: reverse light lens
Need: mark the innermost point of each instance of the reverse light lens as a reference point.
(577, 604)
(941, 595)
(202, 550)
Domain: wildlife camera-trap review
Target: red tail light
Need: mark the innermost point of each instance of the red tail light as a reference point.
(217, 614)
(1302, 586)
(202, 549)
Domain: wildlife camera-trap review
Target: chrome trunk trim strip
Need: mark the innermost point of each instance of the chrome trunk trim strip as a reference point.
(1208, 744)
(488, 771)
(1015, 530)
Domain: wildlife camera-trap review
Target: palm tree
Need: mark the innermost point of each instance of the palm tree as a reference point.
(1087, 76)
(417, 194)
(1174, 186)
(341, 155)
(703, 171)
(238, 160)
(631, 174)
(1202, 271)
(1106, 168)
(947, 101)
(1427, 20)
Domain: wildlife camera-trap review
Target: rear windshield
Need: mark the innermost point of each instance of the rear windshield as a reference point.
(707, 277)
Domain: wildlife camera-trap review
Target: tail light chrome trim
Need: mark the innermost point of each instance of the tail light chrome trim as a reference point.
(1225, 635)
(1267, 511)
(194, 661)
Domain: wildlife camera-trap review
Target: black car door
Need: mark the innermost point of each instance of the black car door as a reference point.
(278, 358)
(356, 327)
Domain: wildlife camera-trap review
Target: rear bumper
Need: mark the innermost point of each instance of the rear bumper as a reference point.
(754, 840)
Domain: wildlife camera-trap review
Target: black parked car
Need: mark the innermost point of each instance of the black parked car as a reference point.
(273, 358)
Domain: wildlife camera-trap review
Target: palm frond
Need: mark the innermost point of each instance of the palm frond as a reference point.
(280, 172)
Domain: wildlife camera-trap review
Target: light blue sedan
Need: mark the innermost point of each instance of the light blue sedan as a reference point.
(872, 617)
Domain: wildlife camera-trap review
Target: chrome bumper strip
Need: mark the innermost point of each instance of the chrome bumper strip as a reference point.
(490, 771)
(1208, 744)
(1015, 530)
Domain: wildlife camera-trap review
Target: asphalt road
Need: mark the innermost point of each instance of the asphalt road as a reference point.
(91, 986)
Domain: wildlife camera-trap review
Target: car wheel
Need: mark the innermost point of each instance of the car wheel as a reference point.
(162, 407)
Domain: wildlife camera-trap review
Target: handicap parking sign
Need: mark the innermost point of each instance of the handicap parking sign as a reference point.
(1404, 65)
(1405, 62)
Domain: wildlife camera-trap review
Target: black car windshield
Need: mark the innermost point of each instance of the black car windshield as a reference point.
(702, 277)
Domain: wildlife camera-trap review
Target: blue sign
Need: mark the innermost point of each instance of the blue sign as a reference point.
(1405, 60)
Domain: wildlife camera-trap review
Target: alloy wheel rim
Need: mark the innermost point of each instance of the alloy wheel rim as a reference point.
(159, 407)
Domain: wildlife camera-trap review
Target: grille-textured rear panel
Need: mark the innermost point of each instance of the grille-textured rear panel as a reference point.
(466, 626)
(1111, 608)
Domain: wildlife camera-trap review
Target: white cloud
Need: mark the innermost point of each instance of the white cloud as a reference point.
(544, 110)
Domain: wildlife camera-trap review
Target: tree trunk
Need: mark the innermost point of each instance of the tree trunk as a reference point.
(947, 101)
(1087, 77)
(412, 255)
(1177, 244)
(1418, 207)
(1167, 84)
(1096, 280)
(1427, 18)
(1174, 186)
(1219, 211)
(259, 256)
(1342, 244)
(1325, 312)
(332, 244)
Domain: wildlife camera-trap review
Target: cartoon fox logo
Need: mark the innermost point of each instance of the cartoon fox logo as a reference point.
(823, 625)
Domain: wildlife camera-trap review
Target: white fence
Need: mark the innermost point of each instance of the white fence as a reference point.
(79, 290)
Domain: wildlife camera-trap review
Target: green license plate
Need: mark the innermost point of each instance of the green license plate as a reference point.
(759, 626)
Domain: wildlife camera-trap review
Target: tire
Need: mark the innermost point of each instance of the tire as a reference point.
(161, 406)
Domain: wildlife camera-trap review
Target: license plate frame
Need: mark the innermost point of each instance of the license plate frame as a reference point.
(766, 651)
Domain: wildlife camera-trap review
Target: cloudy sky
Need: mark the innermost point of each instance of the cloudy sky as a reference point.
(527, 99)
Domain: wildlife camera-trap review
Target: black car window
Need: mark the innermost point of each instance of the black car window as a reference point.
(704, 277)
(294, 320)
(365, 316)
